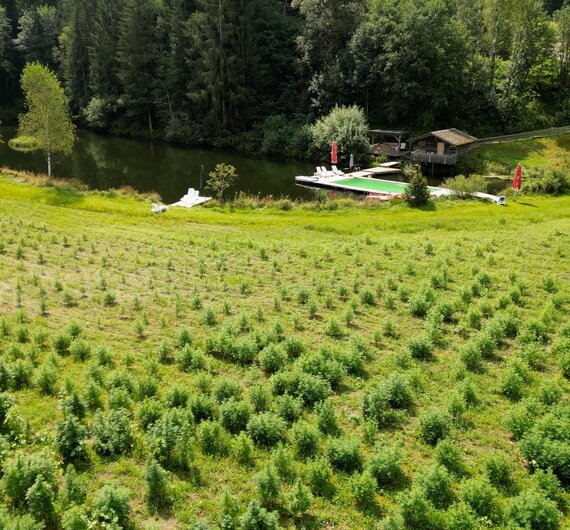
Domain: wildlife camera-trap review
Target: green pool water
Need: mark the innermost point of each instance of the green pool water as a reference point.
(373, 185)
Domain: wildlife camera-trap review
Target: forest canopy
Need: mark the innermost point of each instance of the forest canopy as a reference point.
(250, 71)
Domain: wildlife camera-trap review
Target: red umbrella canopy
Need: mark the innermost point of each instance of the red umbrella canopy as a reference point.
(517, 181)
(334, 153)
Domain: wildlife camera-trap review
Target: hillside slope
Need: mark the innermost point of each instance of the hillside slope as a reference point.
(168, 336)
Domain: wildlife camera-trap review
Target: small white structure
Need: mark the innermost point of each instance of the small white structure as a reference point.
(192, 198)
(158, 208)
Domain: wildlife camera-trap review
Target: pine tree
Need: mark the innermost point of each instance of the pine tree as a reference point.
(417, 191)
(103, 48)
(137, 59)
(76, 41)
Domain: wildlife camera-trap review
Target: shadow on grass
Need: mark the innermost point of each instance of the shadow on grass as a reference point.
(526, 204)
(63, 196)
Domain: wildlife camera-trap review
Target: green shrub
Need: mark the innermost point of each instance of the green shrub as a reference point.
(47, 379)
(305, 439)
(225, 389)
(417, 192)
(417, 511)
(480, 495)
(344, 454)
(22, 471)
(385, 464)
(512, 385)
(268, 485)
(289, 408)
(294, 347)
(420, 347)
(234, 415)
(74, 490)
(465, 187)
(212, 438)
(176, 397)
(534, 331)
(301, 499)
(184, 338)
(363, 487)
(80, 350)
(435, 482)
(111, 508)
(550, 393)
(322, 366)
(449, 455)
(266, 429)
(532, 510)
(461, 517)
(471, 357)
(326, 417)
(203, 407)
(272, 358)
(434, 426)
(61, 343)
(499, 470)
(282, 460)
(545, 181)
(75, 519)
(243, 449)
(149, 412)
(258, 518)
(22, 372)
(333, 329)
(40, 500)
(71, 439)
(190, 359)
(319, 477)
(112, 435)
(523, 416)
(259, 397)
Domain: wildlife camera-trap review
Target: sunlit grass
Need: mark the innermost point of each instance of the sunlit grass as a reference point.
(351, 294)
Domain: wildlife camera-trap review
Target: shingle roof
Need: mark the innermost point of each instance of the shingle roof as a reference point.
(454, 137)
(451, 136)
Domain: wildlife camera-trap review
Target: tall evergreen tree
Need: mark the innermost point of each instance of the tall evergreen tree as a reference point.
(174, 74)
(137, 59)
(104, 66)
(38, 31)
(76, 41)
(5, 41)
(229, 57)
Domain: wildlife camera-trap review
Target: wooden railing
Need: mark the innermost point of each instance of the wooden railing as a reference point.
(434, 158)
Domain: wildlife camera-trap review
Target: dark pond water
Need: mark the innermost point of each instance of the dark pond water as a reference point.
(105, 162)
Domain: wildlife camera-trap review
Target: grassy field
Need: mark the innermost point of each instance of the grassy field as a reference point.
(501, 159)
(343, 368)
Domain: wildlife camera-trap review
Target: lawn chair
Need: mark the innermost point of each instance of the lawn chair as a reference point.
(337, 171)
(158, 208)
(502, 200)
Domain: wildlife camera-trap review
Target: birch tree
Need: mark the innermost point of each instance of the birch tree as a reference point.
(47, 118)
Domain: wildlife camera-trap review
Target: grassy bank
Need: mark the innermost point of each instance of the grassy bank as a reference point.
(166, 336)
(501, 159)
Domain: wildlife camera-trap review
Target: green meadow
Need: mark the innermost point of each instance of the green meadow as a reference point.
(332, 366)
(501, 159)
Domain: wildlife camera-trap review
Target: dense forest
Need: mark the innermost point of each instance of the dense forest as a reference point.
(254, 72)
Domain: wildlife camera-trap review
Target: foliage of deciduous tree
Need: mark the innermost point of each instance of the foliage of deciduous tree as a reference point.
(47, 116)
(347, 127)
(219, 180)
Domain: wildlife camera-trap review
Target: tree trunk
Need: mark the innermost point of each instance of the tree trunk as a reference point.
(49, 163)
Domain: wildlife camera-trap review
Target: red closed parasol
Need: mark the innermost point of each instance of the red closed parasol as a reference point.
(517, 181)
(334, 153)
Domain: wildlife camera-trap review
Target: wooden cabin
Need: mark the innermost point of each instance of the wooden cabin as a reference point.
(394, 144)
(446, 147)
